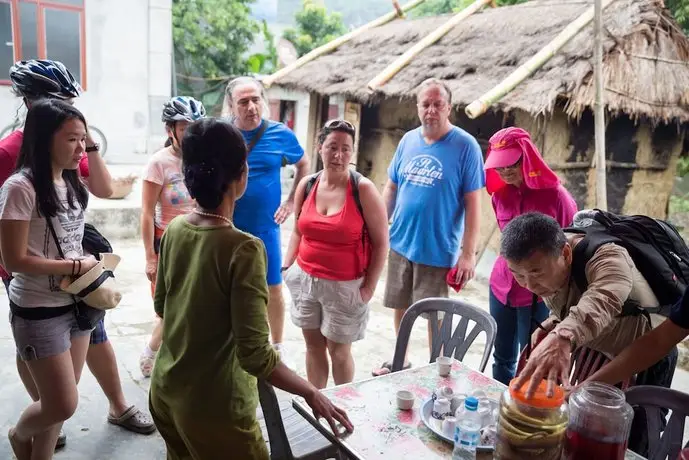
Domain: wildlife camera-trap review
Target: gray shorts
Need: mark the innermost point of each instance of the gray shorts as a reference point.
(334, 307)
(42, 338)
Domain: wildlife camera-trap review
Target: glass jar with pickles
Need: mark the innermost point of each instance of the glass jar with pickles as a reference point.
(531, 428)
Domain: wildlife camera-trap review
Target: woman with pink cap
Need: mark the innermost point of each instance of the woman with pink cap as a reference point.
(519, 181)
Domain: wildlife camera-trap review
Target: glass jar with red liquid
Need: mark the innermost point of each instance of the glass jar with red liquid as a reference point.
(599, 423)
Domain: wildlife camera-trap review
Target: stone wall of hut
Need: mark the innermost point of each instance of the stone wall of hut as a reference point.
(643, 157)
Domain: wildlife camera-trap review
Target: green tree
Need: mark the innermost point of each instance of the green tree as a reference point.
(680, 10)
(315, 27)
(210, 38)
(264, 62)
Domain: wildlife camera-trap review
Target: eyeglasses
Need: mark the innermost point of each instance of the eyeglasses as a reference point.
(512, 166)
(339, 124)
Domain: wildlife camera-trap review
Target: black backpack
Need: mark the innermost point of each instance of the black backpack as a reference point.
(655, 246)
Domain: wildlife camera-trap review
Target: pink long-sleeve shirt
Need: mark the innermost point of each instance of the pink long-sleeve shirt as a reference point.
(510, 202)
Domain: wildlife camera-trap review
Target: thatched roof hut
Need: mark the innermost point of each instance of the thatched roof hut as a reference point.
(646, 73)
(646, 60)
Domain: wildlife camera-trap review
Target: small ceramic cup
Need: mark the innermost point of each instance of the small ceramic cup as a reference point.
(441, 408)
(457, 401)
(405, 400)
(444, 364)
(449, 426)
(442, 392)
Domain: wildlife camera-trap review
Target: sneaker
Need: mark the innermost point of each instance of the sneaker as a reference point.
(146, 364)
(282, 351)
(61, 440)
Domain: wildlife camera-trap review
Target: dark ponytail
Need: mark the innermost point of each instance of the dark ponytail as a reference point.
(213, 156)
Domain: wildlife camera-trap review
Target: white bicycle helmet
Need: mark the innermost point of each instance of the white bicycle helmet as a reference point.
(183, 108)
(44, 78)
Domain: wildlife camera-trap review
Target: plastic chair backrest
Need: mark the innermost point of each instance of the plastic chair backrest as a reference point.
(653, 399)
(444, 338)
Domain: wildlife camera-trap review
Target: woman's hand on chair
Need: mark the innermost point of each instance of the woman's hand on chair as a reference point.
(323, 407)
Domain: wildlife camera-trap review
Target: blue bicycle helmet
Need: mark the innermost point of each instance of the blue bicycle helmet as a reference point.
(183, 108)
(43, 78)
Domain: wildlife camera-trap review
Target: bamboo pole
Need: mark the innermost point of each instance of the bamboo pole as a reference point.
(396, 65)
(480, 105)
(339, 41)
(599, 109)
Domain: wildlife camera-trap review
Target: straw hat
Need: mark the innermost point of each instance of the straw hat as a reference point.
(97, 287)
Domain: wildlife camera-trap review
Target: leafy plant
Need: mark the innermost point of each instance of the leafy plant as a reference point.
(211, 38)
(683, 166)
(315, 27)
(264, 62)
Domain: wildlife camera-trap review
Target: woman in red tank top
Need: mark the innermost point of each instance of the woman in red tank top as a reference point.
(339, 244)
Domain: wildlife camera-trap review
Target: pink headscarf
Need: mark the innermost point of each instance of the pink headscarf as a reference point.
(505, 148)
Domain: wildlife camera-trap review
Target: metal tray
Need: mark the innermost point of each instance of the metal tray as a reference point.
(436, 426)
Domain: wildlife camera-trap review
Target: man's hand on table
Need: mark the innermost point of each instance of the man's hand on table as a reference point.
(322, 407)
(549, 360)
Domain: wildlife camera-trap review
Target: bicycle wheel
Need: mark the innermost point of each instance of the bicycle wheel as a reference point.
(99, 138)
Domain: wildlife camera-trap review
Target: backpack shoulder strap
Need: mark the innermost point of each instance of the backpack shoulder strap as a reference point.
(310, 182)
(356, 176)
(264, 126)
(593, 238)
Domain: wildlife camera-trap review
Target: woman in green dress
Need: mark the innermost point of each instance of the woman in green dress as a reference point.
(212, 295)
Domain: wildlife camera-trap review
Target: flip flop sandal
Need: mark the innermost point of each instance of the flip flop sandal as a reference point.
(386, 368)
(61, 440)
(134, 420)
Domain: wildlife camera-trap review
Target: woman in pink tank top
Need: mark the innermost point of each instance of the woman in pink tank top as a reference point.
(339, 243)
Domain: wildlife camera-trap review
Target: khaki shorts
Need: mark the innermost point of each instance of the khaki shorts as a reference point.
(408, 282)
(334, 307)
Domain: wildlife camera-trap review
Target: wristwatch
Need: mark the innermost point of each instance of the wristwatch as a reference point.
(284, 269)
(94, 148)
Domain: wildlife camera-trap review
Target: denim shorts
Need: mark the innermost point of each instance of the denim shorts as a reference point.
(42, 338)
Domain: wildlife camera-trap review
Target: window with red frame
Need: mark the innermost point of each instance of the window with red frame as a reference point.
(43, 29)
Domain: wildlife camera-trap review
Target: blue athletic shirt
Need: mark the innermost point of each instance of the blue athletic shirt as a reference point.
(428, 219)
(255, 209)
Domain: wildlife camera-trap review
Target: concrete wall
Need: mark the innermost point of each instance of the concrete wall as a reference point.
(302, 99)
(128, 61)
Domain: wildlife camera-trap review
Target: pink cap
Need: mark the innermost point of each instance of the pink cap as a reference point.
(503, 157)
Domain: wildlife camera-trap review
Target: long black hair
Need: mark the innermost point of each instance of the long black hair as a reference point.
(44, 119)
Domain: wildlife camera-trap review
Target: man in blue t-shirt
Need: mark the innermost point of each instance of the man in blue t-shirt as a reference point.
(433, 197)
(260, 211)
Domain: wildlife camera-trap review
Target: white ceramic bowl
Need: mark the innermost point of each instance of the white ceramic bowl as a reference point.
(405, 400)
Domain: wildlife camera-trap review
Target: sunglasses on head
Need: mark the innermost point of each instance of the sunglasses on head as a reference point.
(339, 124)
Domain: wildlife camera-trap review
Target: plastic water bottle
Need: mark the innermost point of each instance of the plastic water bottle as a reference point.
(467, 431)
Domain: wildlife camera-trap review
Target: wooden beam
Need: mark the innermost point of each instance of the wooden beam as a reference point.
(397, 65)
(480, 105)
(332, 45)
(352, 113)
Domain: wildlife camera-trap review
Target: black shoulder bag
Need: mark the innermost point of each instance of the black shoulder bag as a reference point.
(83, 320)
